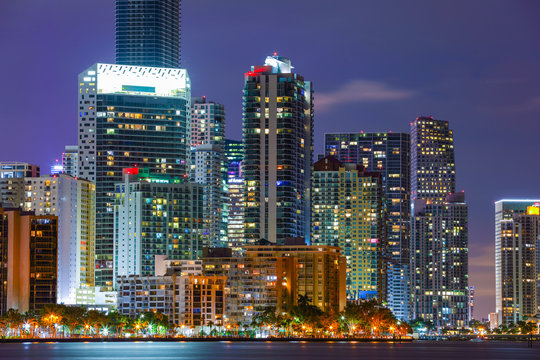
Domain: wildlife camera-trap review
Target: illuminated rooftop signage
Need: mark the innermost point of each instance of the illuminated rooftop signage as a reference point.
(138, 80)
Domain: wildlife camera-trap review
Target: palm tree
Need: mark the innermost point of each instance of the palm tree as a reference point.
(31, 321)
(73, 317)
(15, 321)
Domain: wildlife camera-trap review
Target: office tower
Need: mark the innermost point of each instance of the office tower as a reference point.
(234, 151)
(439, 261)
(129, 116)
(278, 151)
(517, 231)
(155, 215)
(72, 201)
(276, 275)
(433, 170)
(389, 154)
(70, 160)
(28, 262)
(208, 164)
(148, 33)
(471, 302)
(235, 222)
(12, 174)
(207, 122)
(347, 212)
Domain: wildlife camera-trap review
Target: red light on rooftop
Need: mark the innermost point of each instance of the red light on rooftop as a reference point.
(275, 53)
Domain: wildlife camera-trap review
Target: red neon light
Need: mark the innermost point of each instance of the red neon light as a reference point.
(131, 171)
(258, 70)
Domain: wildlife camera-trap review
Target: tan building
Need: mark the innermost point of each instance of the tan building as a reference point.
(191, 300)
(28, 249)
(276, 276)
(204, 300)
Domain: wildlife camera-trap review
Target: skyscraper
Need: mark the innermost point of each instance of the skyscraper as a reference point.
(517, 262)
(347, 212)
(389, 154)
(235, 222)
(234, 151)
(439, 228)
(208, 164)
(433, 170)
(155, 215)
(207, 122)
(148, 33)
(439, 262)
(129, 116)
(278, 151)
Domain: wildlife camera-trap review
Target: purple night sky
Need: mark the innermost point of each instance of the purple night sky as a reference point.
(375, 65)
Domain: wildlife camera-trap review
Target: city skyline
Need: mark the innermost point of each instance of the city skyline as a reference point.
(484, 94)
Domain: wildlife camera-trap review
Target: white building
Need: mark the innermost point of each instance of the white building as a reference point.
(73, 201)
(70, 160)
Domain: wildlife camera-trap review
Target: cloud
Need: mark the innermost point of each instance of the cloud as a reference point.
(360, 91)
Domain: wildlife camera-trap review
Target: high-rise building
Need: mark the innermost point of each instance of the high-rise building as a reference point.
(234, 151)
(235, 222)
(389, 154)
(129, 116)
(347, 212)
(12, 175)
(70, 160)
(155, 215)
(28, 260)
(148, 33)
(471, 302)
(207, 122)
(278, 151)
(439, 261)
(73, 202)
(208, 164)
(517, 262)
(207, 169)
(439, 228)
(433, 169)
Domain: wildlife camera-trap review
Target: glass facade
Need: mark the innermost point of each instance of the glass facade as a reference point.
(156, 215)
(148, 33)
(121, 128)
(433, 170)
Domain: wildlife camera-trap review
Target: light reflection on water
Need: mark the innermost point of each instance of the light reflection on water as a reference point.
(269, 350)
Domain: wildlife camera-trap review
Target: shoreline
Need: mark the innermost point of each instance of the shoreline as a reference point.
(535, 340)
(218, 339)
